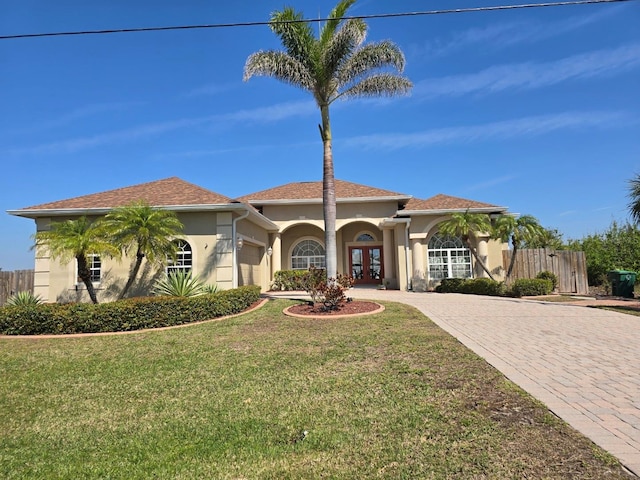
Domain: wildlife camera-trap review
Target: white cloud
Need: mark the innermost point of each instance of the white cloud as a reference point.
(272, 113)
(533, 75)
(492, 182)
(207, 90)
(501, 35)
(73, 116)
(522, 127)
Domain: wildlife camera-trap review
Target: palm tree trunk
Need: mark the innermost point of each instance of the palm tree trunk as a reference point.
(478, 259)
(512, 262)
(85, 275)
(132, 275)
(328, 196)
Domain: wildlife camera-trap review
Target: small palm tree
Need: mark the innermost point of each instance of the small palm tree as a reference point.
(180, 284)
(464, 225)
(518, 231)
(334, 65)
(634, 197)
(24, 299)
(76, 239)
(147, 231)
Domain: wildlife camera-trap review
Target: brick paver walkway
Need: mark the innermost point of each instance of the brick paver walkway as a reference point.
(583, 363)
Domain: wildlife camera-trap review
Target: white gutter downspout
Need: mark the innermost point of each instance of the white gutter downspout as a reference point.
(234, 281)
(407, 249)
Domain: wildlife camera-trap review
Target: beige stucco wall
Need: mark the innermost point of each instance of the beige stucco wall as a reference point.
(208, 233)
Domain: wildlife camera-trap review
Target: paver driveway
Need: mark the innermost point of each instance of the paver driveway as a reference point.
(583, 363)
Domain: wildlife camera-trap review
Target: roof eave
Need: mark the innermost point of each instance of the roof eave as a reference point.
(441, 211)
(312, 201)
(60, 212)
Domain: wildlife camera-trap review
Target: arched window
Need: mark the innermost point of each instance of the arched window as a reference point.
(183, 260)
(365, 237)
(448, 258)
(307, 253)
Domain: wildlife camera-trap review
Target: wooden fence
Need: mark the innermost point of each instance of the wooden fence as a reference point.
(13, 282)
(569, 266)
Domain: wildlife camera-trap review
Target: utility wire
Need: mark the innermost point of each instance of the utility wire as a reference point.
(362, 17)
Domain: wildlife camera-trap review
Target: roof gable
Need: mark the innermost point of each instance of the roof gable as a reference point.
(446, 202)
(161, 193)
(312, 191)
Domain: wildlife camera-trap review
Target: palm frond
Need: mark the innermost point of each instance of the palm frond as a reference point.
(179, 284)
(281, 66)
(634, 198)
(342, 46)
(380, 85)
(297, 37)
(335, 17)
(369, 59)
(23, 299)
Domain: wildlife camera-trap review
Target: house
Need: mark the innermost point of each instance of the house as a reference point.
(383, 237)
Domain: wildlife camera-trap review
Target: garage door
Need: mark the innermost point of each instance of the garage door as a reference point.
(249, 265)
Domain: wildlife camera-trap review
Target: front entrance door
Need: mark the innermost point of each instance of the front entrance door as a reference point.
(366, 264)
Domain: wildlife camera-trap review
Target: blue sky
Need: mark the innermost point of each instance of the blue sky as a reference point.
(534, 109)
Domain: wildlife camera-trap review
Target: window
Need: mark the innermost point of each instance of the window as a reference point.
(306, 254)
(183, 260)
(365, 237)
(95, 268)
(448, 258)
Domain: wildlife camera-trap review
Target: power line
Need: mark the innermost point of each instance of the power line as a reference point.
(362, 17)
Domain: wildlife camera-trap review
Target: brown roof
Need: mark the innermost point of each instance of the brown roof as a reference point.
(447, 202)
(167, 192)
(313, 191)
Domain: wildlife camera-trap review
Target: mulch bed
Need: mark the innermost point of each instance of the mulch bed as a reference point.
(355, 307)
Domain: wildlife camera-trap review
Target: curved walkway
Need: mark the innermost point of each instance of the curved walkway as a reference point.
(583, 363)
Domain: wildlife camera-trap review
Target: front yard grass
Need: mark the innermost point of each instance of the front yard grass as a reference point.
(386, 396)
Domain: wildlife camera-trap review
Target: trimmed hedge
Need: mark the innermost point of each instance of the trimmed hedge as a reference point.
(289, 280)
(526, 287)
(123, 315)
(475, 286)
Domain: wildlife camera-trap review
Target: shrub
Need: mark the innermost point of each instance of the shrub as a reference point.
(483, 286)
(289, 280)
(450, 285)
(524, 287)
(476, 286)
(179, 284)
(123, 315)
(24, 298)
(549, 276)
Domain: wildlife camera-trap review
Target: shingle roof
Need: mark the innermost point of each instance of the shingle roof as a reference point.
(167, 192)
(313, 191)
(447, 202)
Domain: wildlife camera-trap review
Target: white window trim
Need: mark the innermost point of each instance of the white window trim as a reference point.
(297, 242)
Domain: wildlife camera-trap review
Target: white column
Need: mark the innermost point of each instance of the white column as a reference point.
(418, 277)
(387, 256)
(483, 254)
(276, 255)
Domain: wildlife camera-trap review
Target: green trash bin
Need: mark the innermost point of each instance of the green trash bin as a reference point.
(622, 283)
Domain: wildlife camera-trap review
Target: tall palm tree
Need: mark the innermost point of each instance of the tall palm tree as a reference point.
(464, 225)
(333, 65)
(518, 231)
(634, 197)
(76, 239)
(150, 232)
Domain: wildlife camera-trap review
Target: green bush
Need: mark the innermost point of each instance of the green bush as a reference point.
(549, 276)
(483, 286)
(450, 285)
(124, 315)
(476, 286)
(525, 287)
(289, 280)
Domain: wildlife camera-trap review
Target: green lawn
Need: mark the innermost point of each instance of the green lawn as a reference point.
(384, 396)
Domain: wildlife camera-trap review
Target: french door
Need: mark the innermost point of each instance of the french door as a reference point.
(365, 264)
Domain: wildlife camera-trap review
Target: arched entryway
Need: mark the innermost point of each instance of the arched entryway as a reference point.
(364, 257)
